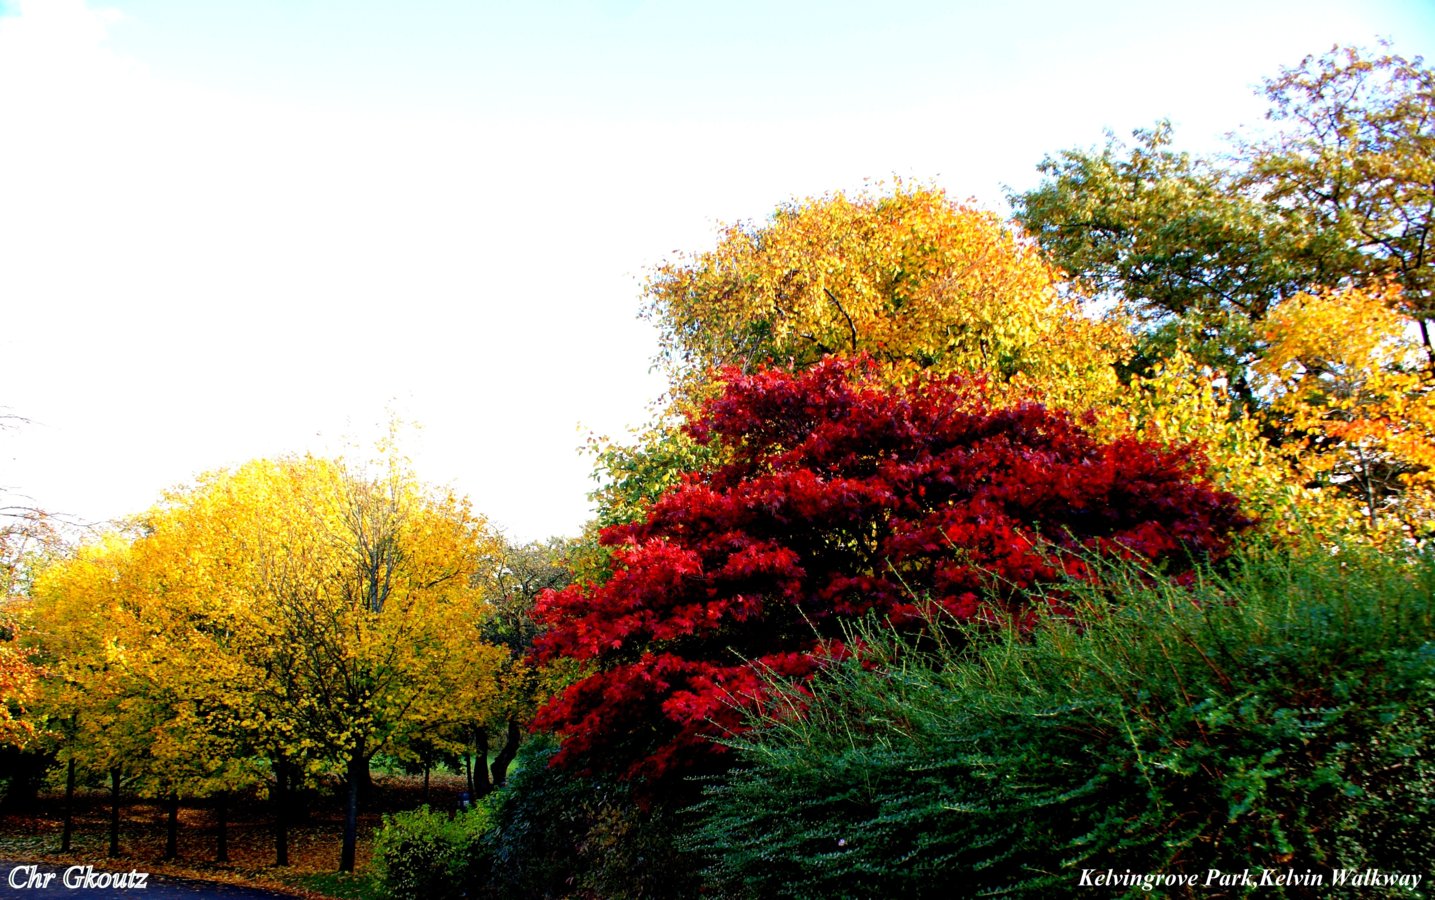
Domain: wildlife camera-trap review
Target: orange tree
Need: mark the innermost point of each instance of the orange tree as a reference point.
(1352, 400)
(19, 680)
(840, 497)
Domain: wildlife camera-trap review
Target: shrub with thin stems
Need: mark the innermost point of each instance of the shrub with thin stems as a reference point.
(1279, 715)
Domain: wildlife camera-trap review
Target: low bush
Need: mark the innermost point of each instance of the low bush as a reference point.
(561, 834)
(1280, 716)
(428, 855)
(548, 833)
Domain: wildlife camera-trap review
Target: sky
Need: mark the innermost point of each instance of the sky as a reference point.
(236, 230)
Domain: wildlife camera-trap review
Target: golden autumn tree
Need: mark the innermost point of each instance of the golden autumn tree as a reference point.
(300, 612)
(1181, 402)
(196, 625)
(86, 702)
(908, 277)
(183, 630)
(1350, 393)
(347, 592)
(129, 693)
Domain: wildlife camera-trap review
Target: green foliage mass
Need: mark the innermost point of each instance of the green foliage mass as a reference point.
(561, 834)
(427, 855)
(1193, 258)
(1280, 716)
(547, 833)
(1340, 193)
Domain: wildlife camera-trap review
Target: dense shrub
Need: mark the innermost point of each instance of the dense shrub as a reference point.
(839, 497)
(427, 855)
(1282, 716)
(548, 833)
(560, 834)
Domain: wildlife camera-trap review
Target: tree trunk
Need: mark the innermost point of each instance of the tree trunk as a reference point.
(26, 775)
(69, 829)
(357, 770)
(171, 838)
(468, 772)
(115, 812)
(426, 782)
(1425, 339)
(221, 814)
(366, 784)
(506, 756)
(281, 812)
(481, 785)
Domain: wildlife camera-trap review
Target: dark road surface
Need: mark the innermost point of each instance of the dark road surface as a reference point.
(19, 879)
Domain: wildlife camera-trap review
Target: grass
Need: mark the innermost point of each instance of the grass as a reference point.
(360, 886)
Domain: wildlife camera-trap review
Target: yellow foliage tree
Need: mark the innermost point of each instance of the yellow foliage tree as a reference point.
(299, 611)
(344, 595)
(1347, 387)
(86, 704)
(1181, 402)
(908, 277)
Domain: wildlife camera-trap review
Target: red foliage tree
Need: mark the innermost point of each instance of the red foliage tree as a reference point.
(841, 497)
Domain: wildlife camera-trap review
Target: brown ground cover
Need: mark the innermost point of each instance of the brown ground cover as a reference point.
(314, 835)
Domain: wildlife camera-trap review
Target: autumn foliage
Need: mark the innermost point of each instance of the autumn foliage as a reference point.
(907, 276)
(840, 497)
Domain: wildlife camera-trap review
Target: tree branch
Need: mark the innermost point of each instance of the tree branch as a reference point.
(850, 327)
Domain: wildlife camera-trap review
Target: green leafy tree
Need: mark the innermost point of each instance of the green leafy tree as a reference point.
(1341, 194)
(1214, 256)
(522, 573)
(1354, 162)
(1166, 236)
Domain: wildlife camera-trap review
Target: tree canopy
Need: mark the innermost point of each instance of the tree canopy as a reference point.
(902, 275)
(1340, 194)
(907, 277)
(1353, 160)
(296, 611)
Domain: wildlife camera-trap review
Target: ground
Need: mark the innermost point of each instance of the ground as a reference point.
(34, 835)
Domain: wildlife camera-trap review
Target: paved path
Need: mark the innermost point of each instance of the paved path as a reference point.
(19, 879)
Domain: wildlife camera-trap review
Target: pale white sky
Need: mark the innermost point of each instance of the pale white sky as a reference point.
(231, 230)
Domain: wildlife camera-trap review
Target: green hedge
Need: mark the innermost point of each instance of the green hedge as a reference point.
(562, 834)
(1280, 716)
(549, 833)
(426, 855)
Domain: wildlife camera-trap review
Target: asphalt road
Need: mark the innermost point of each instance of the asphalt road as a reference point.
(84, 882)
